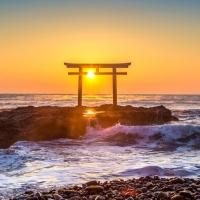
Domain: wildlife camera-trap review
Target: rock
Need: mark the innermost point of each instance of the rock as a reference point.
(156, 177)
(177, 197)
(144, 189)
(97, 197)
(57, 197)
(91, 183)
(75, 198)
(197, 197)
(94, 187)
(28, 192)
(69, 191)
(161, 195)
(177, 180)
(149, 185)
(32, 198)
(186, 194)
(47, 123)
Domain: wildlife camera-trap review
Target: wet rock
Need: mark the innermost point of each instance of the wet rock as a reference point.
(28, 192)
(47, 123)
(177, 180)
(57, 197)
(95, 187)
(162, 195)
(91, 183)
(144, 189)
(177, 197)
(32, 198)
(186, 194)
(75, 198)
(69, 191)
(97, 197)
(197, 197)
(156, 177)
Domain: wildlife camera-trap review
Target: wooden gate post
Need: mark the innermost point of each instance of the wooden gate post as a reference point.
(80, 87)
(114, 87)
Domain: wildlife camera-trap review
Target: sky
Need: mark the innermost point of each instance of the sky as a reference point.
(161, 39)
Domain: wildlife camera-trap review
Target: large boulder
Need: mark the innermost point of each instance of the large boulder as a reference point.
(42, 123)
(130, 116)
(47, 123)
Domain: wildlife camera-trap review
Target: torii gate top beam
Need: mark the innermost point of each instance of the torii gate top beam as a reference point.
(87, 65)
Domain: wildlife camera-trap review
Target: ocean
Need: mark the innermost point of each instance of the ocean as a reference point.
(168, 150)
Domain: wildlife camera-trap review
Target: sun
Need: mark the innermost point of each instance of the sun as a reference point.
(90, 74)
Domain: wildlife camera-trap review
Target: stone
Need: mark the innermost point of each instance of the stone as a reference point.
(197, 197)
(162, 195)
(177, 180)
(97, 197)
(95, 187)
(48, 123)
(177, 197)
(91, 183)
(144, 189)
(32, 198)
(69, 191)
(186, 194)
(75, 198)
(57, 197)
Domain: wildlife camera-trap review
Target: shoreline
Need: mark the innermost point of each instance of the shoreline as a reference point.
(149, 187)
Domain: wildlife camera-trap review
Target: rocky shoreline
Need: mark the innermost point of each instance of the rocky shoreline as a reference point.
(48, 123)
(149, 187)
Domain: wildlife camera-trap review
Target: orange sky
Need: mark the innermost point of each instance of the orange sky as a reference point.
(161, 40)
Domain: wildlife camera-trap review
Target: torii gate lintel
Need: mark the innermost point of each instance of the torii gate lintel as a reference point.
(97, 66)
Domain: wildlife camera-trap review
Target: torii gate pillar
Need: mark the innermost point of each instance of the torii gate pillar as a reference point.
(80, 87)
(114, 88)
(114, 73)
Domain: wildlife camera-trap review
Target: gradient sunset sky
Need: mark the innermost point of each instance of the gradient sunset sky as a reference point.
(160, 38)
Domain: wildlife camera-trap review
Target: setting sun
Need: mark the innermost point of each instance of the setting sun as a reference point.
(90, 74)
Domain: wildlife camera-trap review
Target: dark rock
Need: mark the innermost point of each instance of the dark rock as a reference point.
(48, 123)
(28, 192)
(162, 195)
(186, 194)
(75, 198)
(91, 183)
(177, 197)
(57, 197)
(32, 198)
(177, 180)
(144, 189)
(197, 197)
(97, 197)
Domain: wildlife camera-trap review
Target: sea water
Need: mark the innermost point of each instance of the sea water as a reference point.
(171, 149)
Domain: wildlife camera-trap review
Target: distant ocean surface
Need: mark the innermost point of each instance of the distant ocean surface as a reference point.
(171, 149)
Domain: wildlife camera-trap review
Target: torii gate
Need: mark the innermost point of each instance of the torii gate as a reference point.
(97, 66)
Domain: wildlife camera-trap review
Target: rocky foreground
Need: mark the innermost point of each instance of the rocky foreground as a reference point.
(47, 123)
(148, 187)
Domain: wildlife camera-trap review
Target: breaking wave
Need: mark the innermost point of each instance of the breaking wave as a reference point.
(168, 134)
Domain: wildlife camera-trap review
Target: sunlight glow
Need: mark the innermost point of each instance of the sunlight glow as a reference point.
(90, 112)
(90, 74)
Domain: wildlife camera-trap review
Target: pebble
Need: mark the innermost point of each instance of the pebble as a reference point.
(162, 195)
(97, 197)
(144, 188)
(57, 197)
(177, 180)
(177, 197)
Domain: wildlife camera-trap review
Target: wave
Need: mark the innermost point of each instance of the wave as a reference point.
(152, 136)
(152, 170)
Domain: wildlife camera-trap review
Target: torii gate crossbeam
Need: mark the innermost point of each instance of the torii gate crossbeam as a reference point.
(97, 66)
